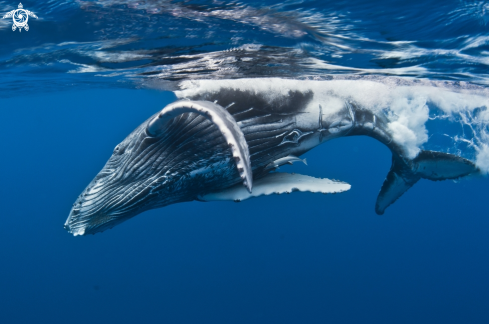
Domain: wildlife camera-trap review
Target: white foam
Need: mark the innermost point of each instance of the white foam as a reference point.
(408, 128)
(482, 159)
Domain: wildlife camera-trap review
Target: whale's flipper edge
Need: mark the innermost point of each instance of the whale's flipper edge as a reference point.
(429, 165)
(220, 117)
(278, 183)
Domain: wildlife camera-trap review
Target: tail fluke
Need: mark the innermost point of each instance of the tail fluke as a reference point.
(429, 165)
(399, 179)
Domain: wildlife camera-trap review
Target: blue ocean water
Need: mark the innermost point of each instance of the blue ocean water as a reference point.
(88, 72)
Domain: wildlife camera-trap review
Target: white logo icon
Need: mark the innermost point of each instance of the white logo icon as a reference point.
(20, 17)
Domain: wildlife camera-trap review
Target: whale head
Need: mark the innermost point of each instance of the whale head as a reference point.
(188, 149)
(130, 182)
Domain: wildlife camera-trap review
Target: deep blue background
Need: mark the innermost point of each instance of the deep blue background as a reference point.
(299, 258)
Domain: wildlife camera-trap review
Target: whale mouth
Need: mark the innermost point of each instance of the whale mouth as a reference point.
(82, 224)
(91, 214)
(91, 223)
(74, 228)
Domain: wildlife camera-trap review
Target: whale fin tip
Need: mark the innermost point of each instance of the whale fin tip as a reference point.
(398, 181)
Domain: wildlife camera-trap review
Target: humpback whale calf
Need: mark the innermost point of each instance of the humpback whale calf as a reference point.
(219, 139)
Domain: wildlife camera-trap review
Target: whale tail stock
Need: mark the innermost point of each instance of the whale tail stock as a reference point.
(435, 166)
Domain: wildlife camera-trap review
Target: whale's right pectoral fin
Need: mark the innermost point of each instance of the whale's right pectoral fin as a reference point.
(220, 117)
(429, 165)
(278, 183)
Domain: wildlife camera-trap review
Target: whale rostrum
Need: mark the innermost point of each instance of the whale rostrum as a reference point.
(207, 145)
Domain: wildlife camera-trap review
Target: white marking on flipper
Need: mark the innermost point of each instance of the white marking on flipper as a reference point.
(277, 183)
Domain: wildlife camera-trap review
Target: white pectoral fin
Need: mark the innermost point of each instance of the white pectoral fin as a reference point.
(278, 183)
